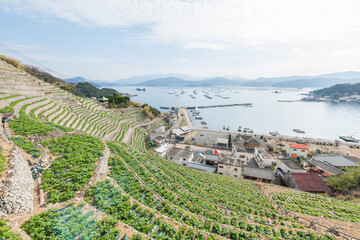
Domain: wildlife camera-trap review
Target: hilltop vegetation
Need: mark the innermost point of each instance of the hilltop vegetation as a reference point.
(346, 182)
(338, 90)
(83, 89)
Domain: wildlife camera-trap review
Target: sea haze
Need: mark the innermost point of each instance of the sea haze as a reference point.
(317, 119)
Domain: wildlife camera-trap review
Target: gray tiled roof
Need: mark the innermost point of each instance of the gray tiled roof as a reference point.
(336, 160)
(265, 173)
(203, 167)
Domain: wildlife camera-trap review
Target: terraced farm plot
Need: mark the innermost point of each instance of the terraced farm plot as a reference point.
(73, 169)
(317, 205)
(213, 206)
(71, 222)
(28, 146)
(5, 232)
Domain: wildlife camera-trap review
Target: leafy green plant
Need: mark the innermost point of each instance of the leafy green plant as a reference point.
(28, 146)
(73, 168)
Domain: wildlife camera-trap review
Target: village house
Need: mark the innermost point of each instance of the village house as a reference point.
(154, 135)
(322, 168)
(250, 141)
(160, 129)
(221, 143)
(308, 182)
(163, 149)
(239, 152)
(179, 156)
(295, 150)
(173, 116)
(103, 101)
(229, 166)
(259, 167)
(288, 165)
(212, 156)
(160, 140)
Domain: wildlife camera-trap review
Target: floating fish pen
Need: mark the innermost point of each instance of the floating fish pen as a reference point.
(212, 106)
(298, 131)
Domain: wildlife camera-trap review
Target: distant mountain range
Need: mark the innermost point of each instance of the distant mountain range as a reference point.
(319, 81)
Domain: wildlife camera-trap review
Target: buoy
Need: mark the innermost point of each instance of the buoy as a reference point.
(259, 184)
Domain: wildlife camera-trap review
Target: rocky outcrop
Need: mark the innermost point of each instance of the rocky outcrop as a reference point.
(17, 192)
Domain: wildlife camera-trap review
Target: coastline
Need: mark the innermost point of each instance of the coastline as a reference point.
(188, 118)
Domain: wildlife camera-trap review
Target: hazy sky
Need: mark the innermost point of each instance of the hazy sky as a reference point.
(113, 39)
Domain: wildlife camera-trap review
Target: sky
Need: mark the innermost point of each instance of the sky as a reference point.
(115, 39)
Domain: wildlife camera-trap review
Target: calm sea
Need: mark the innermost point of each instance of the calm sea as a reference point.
(317, 119)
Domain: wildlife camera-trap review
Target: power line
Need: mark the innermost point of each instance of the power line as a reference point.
(36, 63)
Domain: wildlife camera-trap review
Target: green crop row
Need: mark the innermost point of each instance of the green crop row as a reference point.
(71, 222)
(28, 146)
(74, 167)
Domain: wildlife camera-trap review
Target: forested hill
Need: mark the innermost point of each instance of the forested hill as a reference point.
(339, 90)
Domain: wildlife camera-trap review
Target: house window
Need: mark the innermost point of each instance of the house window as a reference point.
(221, 167)
(235, 169)
(235, 175)
(184, 159)
(303, 150)
(184, 164)
(220, 173)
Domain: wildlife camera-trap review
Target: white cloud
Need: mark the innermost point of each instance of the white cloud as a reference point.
(204, 23)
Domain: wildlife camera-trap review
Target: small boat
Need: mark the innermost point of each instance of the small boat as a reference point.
(276, 133)
(239, 129)
(205, 127)
(228, 128)
(198, 118)
(349, 139)
(203, 123)
(224, 127)
(164, 107)
(248, 130)
(298, 131)
(139, 89)
(276, 91)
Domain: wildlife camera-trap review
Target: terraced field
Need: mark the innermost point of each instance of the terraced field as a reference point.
(94, 186)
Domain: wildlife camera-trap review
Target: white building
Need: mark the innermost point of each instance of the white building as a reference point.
(179, 156)
(163, 149)
(295, 150)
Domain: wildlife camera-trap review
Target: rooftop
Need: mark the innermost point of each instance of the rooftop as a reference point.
(310, 182)
(163, 148)
(265, 173)
(227, 160)
(203, 167)
(185, 154)
(325, 166)
(353, 158)
(160, 129)
(298, 146)
(185, 129)
(291, 164)
(336, 160)
(103, 99)
(173, 152)
(222, 141)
